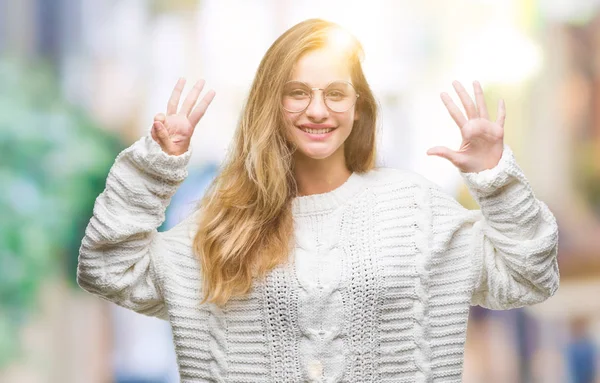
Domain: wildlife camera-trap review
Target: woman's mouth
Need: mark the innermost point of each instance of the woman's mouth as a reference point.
(317, 134)
(316, 131)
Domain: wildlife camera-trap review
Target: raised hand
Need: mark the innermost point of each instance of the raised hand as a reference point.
(174, 130)
(482, 139)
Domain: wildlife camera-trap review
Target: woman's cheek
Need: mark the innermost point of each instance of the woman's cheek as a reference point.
(289, 122)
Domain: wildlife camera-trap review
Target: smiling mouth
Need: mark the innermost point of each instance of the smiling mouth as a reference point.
(316, 131)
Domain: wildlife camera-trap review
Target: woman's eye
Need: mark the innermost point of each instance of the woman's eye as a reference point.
(335, 94)
(298, 93)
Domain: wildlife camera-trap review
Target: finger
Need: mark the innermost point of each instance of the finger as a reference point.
(454, 110)
(160, 117)
(192, 97)
(466, 100)
(501, 113)
(153, 133)
(480, 99)
(199, 110)
(174, 100)
(444, 152)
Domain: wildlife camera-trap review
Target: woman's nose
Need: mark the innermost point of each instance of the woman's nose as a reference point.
(316, 108)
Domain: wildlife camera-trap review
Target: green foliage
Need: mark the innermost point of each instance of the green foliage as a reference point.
(53, 164)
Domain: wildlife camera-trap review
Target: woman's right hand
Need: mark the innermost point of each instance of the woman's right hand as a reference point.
(174, 130)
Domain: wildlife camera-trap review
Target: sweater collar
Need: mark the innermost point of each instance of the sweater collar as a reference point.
(325, 202)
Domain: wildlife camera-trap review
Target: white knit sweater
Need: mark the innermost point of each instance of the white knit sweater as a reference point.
(377, 289)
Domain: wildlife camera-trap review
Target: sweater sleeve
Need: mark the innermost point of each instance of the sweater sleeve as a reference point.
(512, 240)
(120, 254)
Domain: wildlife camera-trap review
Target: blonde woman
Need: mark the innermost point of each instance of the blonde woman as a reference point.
(305, 262)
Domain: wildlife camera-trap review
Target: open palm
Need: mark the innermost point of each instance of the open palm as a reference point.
(482, 139)
(173, 131)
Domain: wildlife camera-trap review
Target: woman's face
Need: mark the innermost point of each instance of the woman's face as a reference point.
(319, 132)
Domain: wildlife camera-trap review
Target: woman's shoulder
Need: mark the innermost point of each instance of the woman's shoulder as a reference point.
(387, 177)
(393, 184)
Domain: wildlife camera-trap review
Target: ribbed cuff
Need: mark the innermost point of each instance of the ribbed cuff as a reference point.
(488, 181)
(149, 156)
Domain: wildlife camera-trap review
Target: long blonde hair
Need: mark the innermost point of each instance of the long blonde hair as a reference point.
(245, 221)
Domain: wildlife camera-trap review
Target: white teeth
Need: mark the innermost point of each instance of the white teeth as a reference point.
(317, 131)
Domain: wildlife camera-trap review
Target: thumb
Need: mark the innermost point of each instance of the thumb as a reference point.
(160, 134)
(444, 152)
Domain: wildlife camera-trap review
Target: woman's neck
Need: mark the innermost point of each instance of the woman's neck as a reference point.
(320, 176)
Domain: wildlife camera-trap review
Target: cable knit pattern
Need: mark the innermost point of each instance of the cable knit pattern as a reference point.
(364, 292)
(377, 288)
(422, 283)
(281, 314)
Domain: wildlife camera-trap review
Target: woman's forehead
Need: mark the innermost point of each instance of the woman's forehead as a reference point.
(320, 67)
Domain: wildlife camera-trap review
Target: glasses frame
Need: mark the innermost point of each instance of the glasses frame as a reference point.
(313, 89)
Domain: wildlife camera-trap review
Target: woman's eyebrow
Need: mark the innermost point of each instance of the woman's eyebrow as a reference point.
(326, 84)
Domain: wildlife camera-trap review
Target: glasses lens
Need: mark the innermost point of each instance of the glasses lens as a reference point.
(296, 96)
(340, 96)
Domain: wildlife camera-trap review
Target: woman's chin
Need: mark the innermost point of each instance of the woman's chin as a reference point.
(316, 153)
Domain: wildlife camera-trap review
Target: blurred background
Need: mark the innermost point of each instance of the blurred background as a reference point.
(80, 80)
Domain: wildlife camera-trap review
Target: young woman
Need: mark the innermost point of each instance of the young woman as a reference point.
(304, 261)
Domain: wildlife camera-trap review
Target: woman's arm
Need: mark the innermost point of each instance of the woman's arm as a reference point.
(120, 255)
(516, 253)
(511, 243)
(120, 258)
(514, 238)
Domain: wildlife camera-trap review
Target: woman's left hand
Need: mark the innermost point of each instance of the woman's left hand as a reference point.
(482, 139)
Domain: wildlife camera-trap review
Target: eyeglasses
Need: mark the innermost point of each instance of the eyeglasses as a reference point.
(339, 96)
